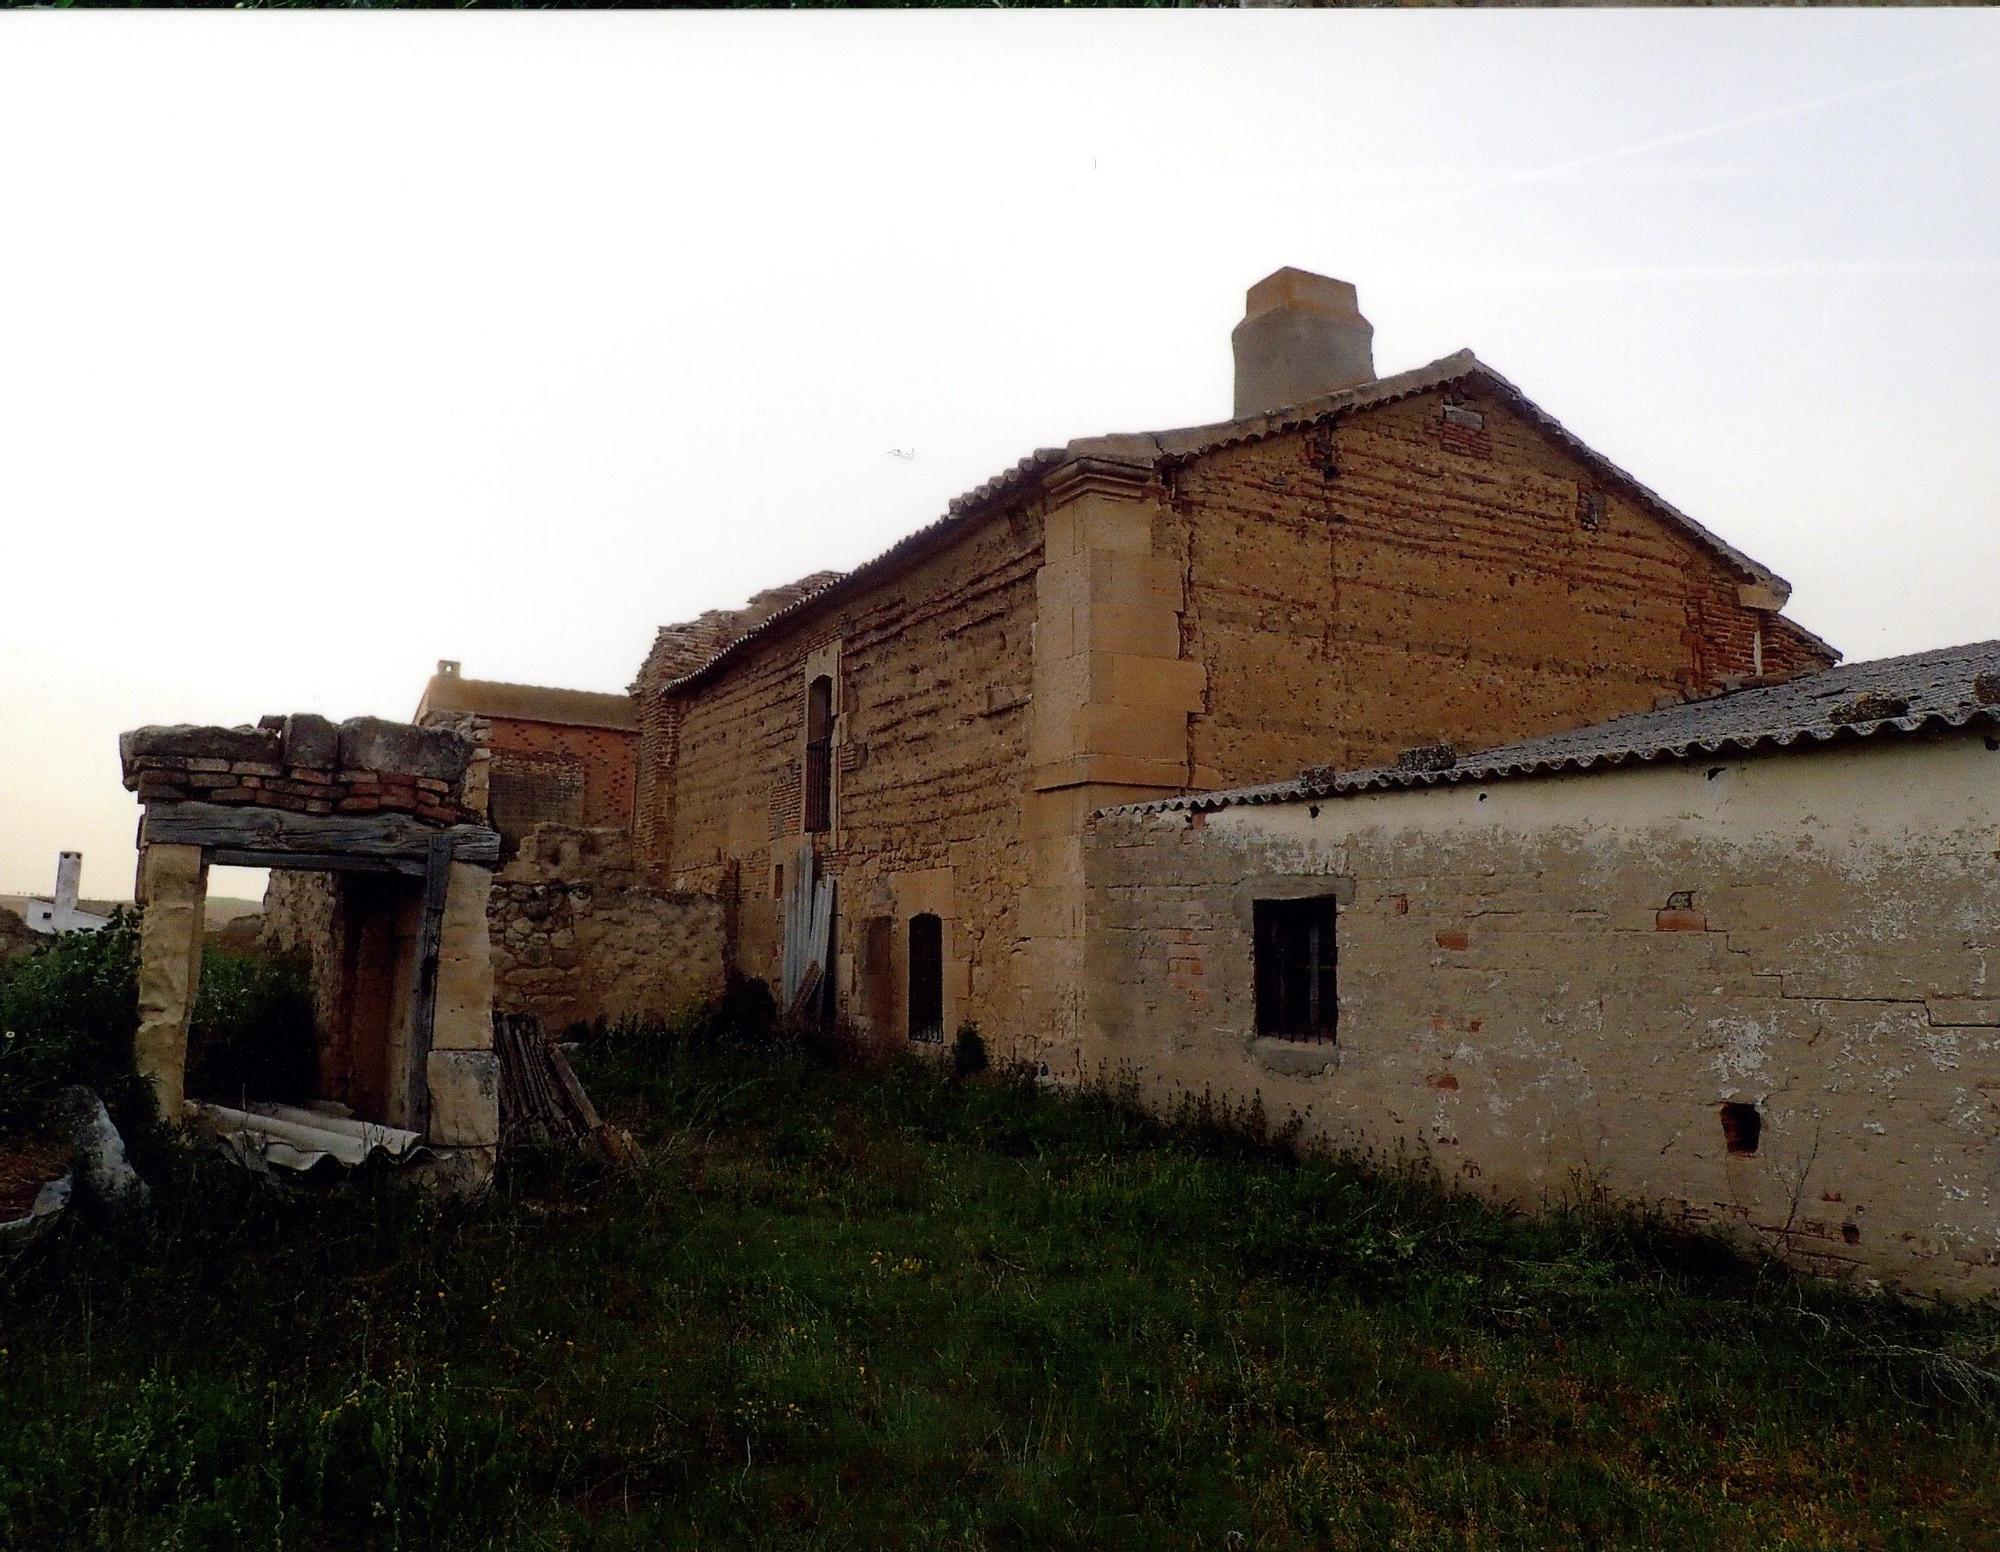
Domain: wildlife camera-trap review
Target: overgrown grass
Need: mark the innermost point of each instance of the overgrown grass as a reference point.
(886, 1308)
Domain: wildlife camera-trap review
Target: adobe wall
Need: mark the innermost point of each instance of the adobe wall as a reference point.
(585, 775)
(932, 671)
(1401, 580)
(1524, 1000)
(580, 931)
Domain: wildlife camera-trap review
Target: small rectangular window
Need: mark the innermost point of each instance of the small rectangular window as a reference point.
(927, 978)
(818, 773)
(1297, 995)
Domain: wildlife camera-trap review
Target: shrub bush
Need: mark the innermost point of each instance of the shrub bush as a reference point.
(68, 1012)
(252, 1030)
(968, 1050)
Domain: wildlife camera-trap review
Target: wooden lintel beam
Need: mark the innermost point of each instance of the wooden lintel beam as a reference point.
(312, 862)
(394, 837)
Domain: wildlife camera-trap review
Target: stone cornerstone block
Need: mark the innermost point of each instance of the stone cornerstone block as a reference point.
(172, 883)
(464, 1017)
(465, 1098)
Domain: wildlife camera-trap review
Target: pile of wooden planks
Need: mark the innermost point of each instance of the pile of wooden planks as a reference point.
(540, 1097)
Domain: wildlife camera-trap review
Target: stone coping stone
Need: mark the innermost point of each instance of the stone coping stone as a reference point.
(377, 744)
(309, 742)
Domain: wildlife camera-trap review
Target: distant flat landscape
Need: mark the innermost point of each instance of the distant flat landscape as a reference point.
(221, 908)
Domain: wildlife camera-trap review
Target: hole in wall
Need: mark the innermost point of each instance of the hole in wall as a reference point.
(1715, 771)
(1741, 1128)
(1850, 1233)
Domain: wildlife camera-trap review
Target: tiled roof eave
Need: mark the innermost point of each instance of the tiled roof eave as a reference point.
(1477, 772)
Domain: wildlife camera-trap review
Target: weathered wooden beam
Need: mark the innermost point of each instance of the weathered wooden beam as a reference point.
(249, 828)
(311, 862)
(423, 1003)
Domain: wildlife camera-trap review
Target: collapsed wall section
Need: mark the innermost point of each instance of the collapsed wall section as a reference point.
(581, 931)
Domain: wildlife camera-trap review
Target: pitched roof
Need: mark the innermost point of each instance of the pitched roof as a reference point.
(527, 703)
(1148, 449)
(1952, 687)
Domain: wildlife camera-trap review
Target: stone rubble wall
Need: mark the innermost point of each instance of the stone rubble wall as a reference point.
(309, 765)
(1555, 985)
(581, 931)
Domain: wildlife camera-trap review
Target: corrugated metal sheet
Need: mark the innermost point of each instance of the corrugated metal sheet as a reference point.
(295, 1137)
(1952, 687)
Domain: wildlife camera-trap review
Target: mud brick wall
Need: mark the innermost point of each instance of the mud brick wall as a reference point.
(1335, 595)
(580, 931)
(932, 669)
(307, 765)
(1401, 578)
(602, 763)
(1557, 984)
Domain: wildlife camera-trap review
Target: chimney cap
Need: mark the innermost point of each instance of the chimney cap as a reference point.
(1303, 290)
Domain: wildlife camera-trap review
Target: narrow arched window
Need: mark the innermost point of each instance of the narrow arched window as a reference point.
(926, 978)
(819, 754)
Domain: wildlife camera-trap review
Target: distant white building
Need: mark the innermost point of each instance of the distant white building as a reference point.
(60, 914)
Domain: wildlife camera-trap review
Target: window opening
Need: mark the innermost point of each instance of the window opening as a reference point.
(1297, 995)
(819, 755)
(927, 978)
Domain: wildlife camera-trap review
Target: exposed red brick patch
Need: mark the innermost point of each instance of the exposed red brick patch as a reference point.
(1443, 1080)
(1197, 820)
(1676, 920)
(1454, 940)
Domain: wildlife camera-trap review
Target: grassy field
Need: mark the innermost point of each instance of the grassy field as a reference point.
(880, 1308)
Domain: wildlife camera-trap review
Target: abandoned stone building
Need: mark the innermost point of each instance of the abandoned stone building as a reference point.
(1158, 757)
(887, 774)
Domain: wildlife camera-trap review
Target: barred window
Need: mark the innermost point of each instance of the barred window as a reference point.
(819, 755)
(1297, 995)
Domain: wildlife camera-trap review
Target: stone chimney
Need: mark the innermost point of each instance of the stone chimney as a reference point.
(1302, 336)
(69, 873)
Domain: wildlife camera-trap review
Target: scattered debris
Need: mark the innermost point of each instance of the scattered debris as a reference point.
(1427, 757)
(104, 1176)
(35, 1186)
(1869, 706)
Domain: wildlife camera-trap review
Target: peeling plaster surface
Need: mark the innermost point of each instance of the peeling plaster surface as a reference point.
(1520, 1001)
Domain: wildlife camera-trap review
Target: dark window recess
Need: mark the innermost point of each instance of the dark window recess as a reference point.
(927, 978)
(819, 755)
(1297, 996)
(1590, 510)
(1741, 1127)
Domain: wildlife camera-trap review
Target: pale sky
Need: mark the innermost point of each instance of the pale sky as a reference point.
(333, 344)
